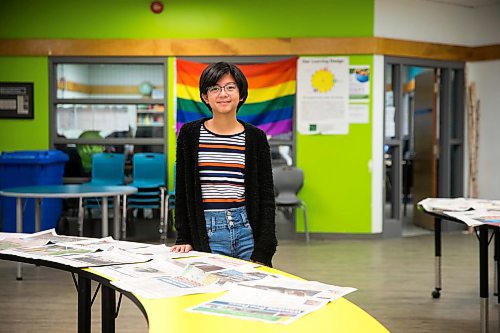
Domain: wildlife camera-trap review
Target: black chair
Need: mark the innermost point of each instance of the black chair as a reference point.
(288, 181)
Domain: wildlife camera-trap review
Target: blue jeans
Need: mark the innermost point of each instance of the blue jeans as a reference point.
(229, 232)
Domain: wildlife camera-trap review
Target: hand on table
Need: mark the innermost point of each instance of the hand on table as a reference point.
(184, 248)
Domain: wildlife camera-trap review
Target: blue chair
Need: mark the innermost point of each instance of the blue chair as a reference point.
(108, 169)
(149, 176)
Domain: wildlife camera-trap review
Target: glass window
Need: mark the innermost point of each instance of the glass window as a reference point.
(107, 105)
(110, 120)
(110, 81)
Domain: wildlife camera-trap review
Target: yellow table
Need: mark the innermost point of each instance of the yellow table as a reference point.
(169, 315)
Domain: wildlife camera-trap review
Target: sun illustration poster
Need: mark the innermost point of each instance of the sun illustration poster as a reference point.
(323, 95)
(323, 80)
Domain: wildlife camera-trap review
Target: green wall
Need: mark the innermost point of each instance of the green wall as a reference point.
(186, 19)
(337, 183)
(337, 180)
(16, 134)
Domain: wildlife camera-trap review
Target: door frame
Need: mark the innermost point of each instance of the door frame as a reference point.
(450, 149)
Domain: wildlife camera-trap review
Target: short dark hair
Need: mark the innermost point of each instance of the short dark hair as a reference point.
(212, 74)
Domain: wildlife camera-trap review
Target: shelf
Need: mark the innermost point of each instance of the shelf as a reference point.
(150, 111)
(150, 125)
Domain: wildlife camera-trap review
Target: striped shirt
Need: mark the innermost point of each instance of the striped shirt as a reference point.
(221, 161)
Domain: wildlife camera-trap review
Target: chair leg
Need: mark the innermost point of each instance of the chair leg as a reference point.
(306, 226)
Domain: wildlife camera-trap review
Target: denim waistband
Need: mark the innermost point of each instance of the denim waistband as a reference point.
(232, 210)
(226, 218)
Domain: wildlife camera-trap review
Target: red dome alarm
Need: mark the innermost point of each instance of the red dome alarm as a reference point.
(156, 7)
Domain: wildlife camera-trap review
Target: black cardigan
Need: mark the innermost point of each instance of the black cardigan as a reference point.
(259, 192)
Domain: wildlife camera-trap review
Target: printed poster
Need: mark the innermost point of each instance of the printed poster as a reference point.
(359, 83)
(323, 95)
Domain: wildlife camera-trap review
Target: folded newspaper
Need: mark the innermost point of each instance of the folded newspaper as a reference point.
(458, 204)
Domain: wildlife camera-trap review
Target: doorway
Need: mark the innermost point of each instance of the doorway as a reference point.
(423, 140)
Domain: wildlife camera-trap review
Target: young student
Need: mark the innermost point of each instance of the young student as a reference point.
(224, 196)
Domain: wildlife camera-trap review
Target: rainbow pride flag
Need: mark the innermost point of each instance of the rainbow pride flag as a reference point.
(271, 95)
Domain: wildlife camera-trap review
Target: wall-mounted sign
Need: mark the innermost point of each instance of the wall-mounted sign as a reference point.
(16, 100)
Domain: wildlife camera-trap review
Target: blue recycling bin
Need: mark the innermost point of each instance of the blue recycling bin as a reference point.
(29, 168)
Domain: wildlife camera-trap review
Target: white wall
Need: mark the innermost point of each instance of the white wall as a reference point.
(486, 75)
(377, 166)
(428, 21)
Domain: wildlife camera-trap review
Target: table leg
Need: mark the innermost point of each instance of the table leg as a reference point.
(84, 306)
(80, 216)
(116, 217)
(497, 262)
(483, 276)
(108, 304)
(163, 226)
(104, 226)
(436, 293)
(19, 228)
(124, 217)
(38, 204)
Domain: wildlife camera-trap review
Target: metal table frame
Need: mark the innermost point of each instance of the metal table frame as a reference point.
(84, 291)
(484, 240)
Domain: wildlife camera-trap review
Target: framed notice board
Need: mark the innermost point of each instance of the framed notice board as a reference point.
(16, 100)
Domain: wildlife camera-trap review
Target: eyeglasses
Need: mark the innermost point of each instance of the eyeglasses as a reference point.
(229, 88)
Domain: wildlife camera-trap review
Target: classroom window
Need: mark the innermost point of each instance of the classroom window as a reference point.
(110, 104)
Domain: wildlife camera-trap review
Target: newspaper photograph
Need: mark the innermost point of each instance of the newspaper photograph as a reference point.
(241, 274)
(155, 267)
(166, 286)
(255, 304)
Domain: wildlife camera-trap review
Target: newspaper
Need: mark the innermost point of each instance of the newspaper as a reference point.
(108, 243)
(211, 262)
(47, 252)
(458, 204)
(15, 242)
(100, 258)
(255, 304)
(150, 271)
(50, 236)
(475, 218)
(301, 288)
(166, 252)
(445, 204)
(240, 274)
(70, 254)
(192, 276)
(155, 267)
(483, 204)
(167, 286)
